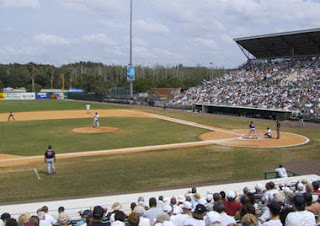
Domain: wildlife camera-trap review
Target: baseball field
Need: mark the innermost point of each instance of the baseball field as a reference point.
(136, 149)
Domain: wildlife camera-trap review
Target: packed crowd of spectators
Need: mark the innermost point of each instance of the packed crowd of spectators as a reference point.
(287, 85)
(290, 204)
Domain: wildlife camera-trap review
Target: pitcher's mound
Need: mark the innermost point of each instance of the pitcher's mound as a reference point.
(89, 129)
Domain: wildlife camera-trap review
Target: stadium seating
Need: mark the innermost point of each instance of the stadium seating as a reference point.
(287, 85)
(202, 204)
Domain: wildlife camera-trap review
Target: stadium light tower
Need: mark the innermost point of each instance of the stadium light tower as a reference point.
(211, 64)
(130, 62)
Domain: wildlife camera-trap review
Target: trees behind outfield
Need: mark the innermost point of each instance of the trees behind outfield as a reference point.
(97, 77)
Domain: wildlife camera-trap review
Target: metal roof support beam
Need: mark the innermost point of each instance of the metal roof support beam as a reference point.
(243, 50)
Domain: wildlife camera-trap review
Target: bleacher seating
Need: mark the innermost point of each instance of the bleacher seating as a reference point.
(287, 85)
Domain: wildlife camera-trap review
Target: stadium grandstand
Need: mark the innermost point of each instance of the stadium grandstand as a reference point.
(281, 76)
(209, 205)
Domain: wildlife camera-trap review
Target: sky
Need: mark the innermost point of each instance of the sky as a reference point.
(165, 32)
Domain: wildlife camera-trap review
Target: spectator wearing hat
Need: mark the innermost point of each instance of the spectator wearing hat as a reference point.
(274, 208)
(153, 212)
(49, 218)
(232, 207)
(209, 204)
(212, 218)
(186, 213)
(168, 209)
(300, 188)
(63, 219)
(115, 207)
(143, 221)
(83, 214)
(197, 216)
(97, 217)
(225, 219)
(175, 208)
(300, 216)
(163, 219)
(142, 203)
(160, 202)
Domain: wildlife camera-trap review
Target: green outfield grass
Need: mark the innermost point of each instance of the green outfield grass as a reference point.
(152, 170)
(49, 105)
(33, 137)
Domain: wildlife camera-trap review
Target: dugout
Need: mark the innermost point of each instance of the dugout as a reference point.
(248, 112)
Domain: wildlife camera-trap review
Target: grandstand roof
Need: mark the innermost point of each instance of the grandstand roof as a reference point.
(280, 45)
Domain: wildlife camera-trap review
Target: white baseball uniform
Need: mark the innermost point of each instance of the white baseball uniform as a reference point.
(96, 120)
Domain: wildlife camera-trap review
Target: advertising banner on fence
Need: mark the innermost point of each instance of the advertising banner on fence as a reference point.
(13, 96)
(56, 96)
(42, 96)
(28, 96)
(2, 96)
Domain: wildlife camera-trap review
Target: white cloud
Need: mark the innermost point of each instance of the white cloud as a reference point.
(48, 39)
(150, 27)
(97, 6)
(98, 38)
(209, 43)
(33, 4)
(18, 51)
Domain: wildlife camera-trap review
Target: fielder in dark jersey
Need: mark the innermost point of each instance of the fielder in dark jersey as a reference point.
(50, 158)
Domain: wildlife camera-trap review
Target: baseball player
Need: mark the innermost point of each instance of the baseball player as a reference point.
(268, 133)
(96, 120)
(278, 129)
(50, 158)
(252, 129)
(88, 108)
(11, 116)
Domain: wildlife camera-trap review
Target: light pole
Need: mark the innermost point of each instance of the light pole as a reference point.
(130, 62)
(211, 64)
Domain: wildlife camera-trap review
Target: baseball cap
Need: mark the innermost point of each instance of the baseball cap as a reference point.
(231, 194)
(300, 185)
(279, 198)
(187, 205)
(98, 212)
(167, 208)
(116, 206)
(139, 210)
(275, 206)
(259, 187)
(298, 200)
(200, 209)
(209, 197)
(63, 218)
(85, 213)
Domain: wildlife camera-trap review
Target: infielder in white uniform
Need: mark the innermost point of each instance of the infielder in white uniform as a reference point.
(96, 120)
(88, 108)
